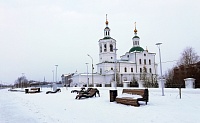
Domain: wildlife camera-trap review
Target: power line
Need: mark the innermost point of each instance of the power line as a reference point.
(169, 61)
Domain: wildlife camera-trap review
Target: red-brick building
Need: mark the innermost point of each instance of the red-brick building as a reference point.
(186, 71)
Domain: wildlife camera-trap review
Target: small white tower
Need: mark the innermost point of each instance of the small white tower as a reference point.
(107, 46)
(136, 42)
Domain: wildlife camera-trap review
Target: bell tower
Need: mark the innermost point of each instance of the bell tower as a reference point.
(107, 46)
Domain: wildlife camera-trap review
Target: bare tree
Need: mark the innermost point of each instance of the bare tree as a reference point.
(148, 79)
(21, 82)
(188, 56)
(169, 77)
(171, 82)
(173, 78)
(134, 82)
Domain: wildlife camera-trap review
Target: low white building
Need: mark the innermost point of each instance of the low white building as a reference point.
(136, 64)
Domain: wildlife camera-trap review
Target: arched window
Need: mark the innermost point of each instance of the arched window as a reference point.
(140, 61)
(145, 61)
(140, 70)
(150, 70)
(131, 69)
(100, 49)
(111, 68)
(111, 48)
(149, 62)
(105, 48)
(100, 71)
(125, 69)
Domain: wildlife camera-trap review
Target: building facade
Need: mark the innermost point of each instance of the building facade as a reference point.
(135, 65)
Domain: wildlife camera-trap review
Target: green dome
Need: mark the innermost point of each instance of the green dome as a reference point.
(136, 49)
(136, 36)
(107, 28)
(107, 38)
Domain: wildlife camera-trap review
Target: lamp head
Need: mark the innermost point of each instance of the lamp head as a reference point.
(158, 43)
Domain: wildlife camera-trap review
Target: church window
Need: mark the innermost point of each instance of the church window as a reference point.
(149, 62)
(131, 69)
(100, 49)
(140, 70)
(111, 57)
(111, 68)
(145, 61)
(144, 54)
(125, 69)
(100, 71)
(127, 56)
(108, 33)
(105, 48)
(111, 48)
(150, 70)
(140, 61)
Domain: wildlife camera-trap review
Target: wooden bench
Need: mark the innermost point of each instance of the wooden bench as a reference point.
(32, 90)
(144, 93)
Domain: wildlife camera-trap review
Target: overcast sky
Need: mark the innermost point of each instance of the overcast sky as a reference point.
(35, 35)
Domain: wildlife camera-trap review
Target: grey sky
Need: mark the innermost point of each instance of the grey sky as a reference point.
(37, 34)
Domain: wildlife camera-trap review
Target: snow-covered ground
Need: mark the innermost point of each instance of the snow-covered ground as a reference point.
(18, 107)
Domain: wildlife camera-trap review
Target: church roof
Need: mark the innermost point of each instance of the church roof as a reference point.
(107, 38)
(107, 28)
(136, 49)
(136, 36)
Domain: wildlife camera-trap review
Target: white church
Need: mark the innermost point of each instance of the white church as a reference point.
(137, 65)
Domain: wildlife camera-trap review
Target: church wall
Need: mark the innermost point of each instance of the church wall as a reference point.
(132, 57)
(128, 67)
(109, 57)
(81, 79)
(106, 67)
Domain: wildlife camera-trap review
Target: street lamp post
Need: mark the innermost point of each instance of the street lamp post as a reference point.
(56, 72)
(21, 80)
(1, 85)
(92, 70)
(87, 75)
(53, 75)
(115, 67)
(162, 84)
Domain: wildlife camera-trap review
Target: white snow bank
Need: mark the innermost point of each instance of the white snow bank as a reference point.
(18, 107)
